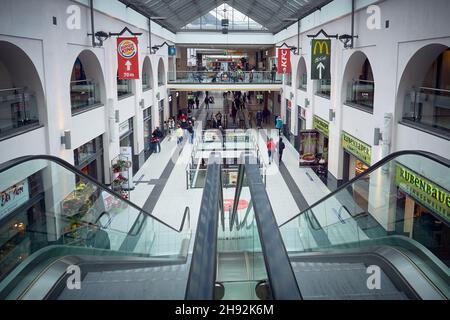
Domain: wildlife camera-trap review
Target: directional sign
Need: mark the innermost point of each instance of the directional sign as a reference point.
(321, 60)
(128, 58)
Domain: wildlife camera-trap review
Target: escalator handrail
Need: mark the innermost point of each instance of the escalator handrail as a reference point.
(384, 161)
(18, 161)
(237, 196)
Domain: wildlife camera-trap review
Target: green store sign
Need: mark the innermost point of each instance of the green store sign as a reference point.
(321, 125)
(424, 191)
(357, 148)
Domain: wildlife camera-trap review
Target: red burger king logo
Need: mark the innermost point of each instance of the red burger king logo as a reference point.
(127, 49)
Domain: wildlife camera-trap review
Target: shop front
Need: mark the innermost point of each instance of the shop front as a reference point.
(23, 222)
(314, 147)
(161, 116)
(148, 129)
(357, 160)
(423, 211)
(127, 140)
(301, 126)
(288, 126)
(89, 159)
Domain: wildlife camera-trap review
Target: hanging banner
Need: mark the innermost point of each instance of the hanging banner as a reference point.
(284, 60)
(321, 60)
(128, 58)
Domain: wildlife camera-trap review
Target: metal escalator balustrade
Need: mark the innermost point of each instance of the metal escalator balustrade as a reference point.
(398, 210)
(51, 210)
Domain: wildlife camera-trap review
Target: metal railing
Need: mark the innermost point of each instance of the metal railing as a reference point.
(228, 77)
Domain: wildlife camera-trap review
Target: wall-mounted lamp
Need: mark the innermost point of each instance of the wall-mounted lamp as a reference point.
(377, 136)
(153, 49)
(66, 139)
(307, 102)
(331, 115)
(117, 116)
(292, 96)
(347, 40)
(142, 103)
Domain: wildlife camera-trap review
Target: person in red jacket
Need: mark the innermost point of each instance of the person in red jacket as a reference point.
(270, 149)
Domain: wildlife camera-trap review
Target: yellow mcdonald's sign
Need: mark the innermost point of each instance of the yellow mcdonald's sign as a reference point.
(322, 44)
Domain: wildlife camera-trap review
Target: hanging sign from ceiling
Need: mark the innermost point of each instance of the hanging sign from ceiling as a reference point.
(284, 60)
(128, 58)
(321, 60)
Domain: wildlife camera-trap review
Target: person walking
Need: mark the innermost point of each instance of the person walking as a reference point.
(179, 134)
(206, 102)
(197, 102)
(190, 130)
(219, 119)
(156, 139)
(270, 149)
(281, 147)
(279, 125)
(259, 119)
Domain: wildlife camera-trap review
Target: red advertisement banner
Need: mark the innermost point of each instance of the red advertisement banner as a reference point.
(128, 58)
(284, 60)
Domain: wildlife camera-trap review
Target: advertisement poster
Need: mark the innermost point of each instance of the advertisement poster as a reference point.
(126, 152)
(308, 147)
(321, 60)
(128, 58)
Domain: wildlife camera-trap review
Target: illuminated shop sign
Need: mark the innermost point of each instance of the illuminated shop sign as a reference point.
(357, 148)
(321, 125)
(13, 197)
(424, 191)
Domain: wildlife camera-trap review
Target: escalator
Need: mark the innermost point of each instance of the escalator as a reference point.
(86, 234)
(344, 242)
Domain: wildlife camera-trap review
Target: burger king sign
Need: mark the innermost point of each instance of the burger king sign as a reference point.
(128, 58)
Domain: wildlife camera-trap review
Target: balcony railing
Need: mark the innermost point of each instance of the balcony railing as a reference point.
(84, 94)
(361, 93)
(124, 88)
(219, 77)
(430, 108)
(18, 111)
(324, 88)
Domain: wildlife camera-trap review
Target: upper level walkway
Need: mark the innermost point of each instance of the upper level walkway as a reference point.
(224, 81)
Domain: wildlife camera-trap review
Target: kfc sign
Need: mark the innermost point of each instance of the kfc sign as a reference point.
(128, 58)
(284, 60)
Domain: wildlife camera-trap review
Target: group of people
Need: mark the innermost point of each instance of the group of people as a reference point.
(271, 147)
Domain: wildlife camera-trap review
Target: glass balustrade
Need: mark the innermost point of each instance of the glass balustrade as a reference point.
(403, 204)
(229, 77)
(124, 88)
(146, 82)
(428, 108)
(303, 82)
(49, 211)
(324, 88)
(18, 111)
(360, 93)
(84, 94)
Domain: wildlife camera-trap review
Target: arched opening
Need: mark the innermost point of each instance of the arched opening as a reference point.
(87, 85)
(147, 75)
(161, 73)
(124, 87)
(359, 84)
(22, 102)
(424, 91)
(302, 75)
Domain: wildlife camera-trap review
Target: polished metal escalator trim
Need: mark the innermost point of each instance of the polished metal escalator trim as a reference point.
(283, 282)
(389, 158)
(203, 268)
(18, 161)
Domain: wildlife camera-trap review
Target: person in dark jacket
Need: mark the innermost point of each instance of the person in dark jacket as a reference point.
(98, 238)
(281, 147)
(157, 135)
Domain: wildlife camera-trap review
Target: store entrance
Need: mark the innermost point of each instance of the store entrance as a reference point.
(424, 226)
